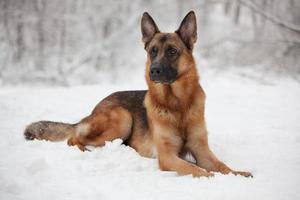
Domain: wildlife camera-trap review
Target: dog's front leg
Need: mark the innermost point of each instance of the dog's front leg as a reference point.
(171, 162)
(197, 143)
(168, 146)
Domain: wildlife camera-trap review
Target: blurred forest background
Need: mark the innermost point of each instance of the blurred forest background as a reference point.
(73, 42)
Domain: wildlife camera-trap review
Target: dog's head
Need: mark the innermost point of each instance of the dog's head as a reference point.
(169, 54)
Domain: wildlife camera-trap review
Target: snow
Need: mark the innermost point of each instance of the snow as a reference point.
(252, 126)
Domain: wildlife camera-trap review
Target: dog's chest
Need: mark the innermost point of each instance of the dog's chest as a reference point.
(180, 118)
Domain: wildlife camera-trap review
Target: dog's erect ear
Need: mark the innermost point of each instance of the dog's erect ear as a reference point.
(149, 28)
(188, 30)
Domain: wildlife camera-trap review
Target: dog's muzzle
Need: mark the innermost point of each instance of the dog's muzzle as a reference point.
(162, 74)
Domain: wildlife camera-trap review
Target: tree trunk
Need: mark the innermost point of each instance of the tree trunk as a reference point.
(20, 45)
(40, 8)
(62, 41)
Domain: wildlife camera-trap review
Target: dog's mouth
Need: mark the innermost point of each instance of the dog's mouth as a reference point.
(164, 81)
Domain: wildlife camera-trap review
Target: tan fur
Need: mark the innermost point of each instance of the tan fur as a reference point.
(176, 119)
(104, 126)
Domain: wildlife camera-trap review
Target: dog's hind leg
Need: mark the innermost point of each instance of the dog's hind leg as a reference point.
(107, 125)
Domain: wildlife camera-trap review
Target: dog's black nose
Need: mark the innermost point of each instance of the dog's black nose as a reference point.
(155, 71)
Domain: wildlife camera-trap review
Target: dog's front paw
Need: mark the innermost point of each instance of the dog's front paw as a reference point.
(203, 174)
(222, 168)
(245, 174)
(209, 174)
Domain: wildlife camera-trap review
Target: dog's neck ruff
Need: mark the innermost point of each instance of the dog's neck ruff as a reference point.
(179, 94)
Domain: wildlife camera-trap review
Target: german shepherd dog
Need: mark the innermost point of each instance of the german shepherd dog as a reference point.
(166, 121)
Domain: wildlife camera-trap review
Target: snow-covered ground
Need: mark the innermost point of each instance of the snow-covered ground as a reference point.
(253, 126)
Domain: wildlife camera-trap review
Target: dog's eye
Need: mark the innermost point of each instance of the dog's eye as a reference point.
(172, 51)
(153, 52)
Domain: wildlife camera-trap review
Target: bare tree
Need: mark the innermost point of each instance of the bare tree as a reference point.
(59, 41)
(62, 40)
(20, 46)
(40, 8)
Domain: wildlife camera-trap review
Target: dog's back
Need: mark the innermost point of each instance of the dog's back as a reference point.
(119, 115)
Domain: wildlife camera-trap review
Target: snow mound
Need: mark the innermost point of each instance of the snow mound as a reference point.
(252, 127)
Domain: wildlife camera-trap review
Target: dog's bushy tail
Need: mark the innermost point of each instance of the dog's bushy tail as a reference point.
(47, 130)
